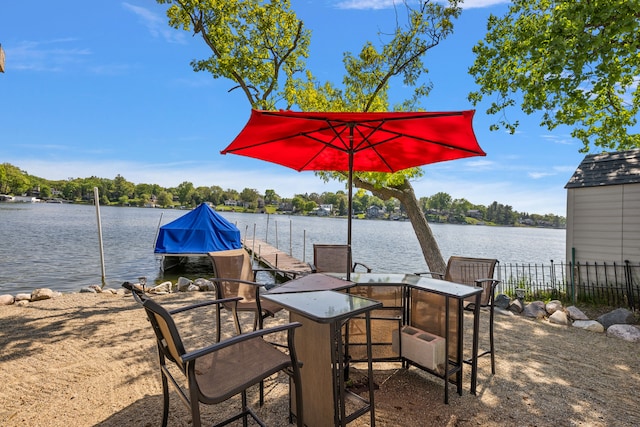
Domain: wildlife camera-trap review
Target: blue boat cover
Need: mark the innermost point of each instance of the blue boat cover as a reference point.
(200, 231)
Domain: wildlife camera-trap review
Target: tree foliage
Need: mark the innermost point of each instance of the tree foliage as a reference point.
(252, 43)
(577, 62)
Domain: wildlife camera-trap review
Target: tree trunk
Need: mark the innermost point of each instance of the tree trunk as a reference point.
(405, 194)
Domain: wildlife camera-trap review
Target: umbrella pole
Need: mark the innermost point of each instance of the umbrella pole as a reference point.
(350, 201)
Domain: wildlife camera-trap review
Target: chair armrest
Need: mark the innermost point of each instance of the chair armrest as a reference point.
(277, 270)
(355, 264)
(431, 273)
(203, 304)
(479, 282)
(246, 282)
(193, 355)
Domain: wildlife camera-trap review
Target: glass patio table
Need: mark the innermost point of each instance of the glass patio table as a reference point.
(319, 346)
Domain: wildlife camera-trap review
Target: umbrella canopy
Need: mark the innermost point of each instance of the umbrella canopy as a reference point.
(352, 141)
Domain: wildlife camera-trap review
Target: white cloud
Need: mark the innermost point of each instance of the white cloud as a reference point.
(521, 196)
(156, 24)
(47, 55)
(538, 175)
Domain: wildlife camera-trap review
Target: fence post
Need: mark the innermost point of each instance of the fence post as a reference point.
(573, 275)
(629, 283)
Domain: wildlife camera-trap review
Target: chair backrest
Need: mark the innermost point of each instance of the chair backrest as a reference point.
(167, 335)
(233, 264)
(331, 258)
(467, 270)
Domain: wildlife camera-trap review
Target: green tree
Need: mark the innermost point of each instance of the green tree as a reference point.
(271, 197)
(71, 190)
(250, 197)
(261, 47)
(165, 199)
(342, 206)
(253, 43)
(310, 205)
(121, 188)
(13, 180)
(298, 204)
(440, 202)
(185, 192)
(575, 61)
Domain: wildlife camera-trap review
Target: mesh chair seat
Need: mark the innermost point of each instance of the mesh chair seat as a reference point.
(227, 372)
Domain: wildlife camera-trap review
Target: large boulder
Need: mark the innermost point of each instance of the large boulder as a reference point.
(516, 306)
(41, 294)
(535, 309)
(626, 332)
(184, 284)
(502, 301)
(553, 306)
(589, 325)
(6, 299)
(575, 313)
(619, 316)
(559, 317)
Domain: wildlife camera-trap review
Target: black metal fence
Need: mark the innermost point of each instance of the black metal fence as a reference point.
(610, 284)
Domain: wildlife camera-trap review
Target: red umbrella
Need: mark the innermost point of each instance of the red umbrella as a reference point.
(364, 142)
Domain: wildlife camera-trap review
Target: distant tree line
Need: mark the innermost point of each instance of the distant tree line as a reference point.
(440, 207)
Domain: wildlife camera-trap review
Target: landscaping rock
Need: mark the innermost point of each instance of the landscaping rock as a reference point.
(619, 316)
(41, 294)
(576, 314)
(589, 325)
(23, 297)
(553, 306)
(625, 332)
(183, 284)
(559, 317)
(205, 285)
(516, 306)
(162, 288)
(6, 299)
(502, 301)
(88, 290)
(535, 309)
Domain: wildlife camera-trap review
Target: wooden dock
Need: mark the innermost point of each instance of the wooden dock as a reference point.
(271, 257)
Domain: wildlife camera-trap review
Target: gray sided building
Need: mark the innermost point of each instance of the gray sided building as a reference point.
(603, 208)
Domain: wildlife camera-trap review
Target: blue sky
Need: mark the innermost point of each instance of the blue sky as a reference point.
(107, 89)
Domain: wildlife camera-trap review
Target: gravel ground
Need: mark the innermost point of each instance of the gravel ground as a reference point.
(89, 360)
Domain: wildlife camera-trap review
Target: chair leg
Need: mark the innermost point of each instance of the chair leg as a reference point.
(492, 347)
(165, 398)
(244, 408)
(259, 323)
(195, 407)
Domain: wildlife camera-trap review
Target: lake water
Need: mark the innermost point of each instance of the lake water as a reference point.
(57, 245)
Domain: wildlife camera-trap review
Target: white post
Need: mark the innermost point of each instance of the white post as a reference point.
(304, 245)
(266, 233)
(97, 202)
(253, 245)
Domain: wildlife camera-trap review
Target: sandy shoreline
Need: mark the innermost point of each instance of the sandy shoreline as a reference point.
(89, 360)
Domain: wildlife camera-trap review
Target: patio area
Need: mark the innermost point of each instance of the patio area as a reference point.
(90, 360)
